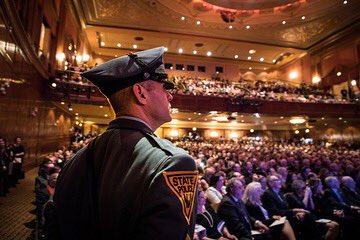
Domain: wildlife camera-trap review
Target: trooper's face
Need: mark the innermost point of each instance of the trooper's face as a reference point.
(160, 103)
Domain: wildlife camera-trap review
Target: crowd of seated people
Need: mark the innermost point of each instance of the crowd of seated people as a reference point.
(11, 159)
(254, 188)
(247, 185)
(45, 182)
(259, 90)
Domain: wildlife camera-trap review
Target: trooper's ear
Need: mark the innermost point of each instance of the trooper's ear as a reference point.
(140, 93)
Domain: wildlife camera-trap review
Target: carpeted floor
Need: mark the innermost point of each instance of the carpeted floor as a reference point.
(17, 220)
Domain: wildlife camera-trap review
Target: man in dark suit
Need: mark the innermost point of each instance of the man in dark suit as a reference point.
(128, 183)
(300, 219)
(336, 199)
(233, 211)
(351, 192)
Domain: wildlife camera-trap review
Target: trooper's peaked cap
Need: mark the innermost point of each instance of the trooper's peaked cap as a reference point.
(127, 70)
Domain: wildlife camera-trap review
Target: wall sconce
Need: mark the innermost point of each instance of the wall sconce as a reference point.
(60, 56)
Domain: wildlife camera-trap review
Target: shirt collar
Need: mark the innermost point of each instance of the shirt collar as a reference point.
(135, 119)
(234, 198)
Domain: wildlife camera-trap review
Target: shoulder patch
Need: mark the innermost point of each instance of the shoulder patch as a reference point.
(183, 184)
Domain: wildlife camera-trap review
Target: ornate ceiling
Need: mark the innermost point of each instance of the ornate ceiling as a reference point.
(288, 26)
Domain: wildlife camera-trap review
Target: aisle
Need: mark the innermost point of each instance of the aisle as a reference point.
(15, 208)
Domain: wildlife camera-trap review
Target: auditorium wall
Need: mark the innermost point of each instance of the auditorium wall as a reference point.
(24, 72)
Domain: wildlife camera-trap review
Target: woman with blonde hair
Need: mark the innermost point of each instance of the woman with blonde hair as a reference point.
(252, 201)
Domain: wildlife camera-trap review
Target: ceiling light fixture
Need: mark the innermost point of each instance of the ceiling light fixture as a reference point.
(262, 59)
(118, 45)
(297, 131)
(180, 50)
(208, 54)
(303, 17)
(353, 82)
(194, 52)
(249, 57)
(102, 44)
(274, 61)
(338, 74)
(236, 56)
(250, 68)
(345, 2)
(182, 18)
(198, 22)
(283, 22)
(166, 49)
(252, 51)
(252, 130)
(230, 27)
(248, 27)
(297, 120)
(135, 46)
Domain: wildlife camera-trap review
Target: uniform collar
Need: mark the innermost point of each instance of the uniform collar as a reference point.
(130, 122)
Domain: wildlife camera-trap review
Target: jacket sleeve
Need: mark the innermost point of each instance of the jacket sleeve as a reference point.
(227, 212)
(171, 200)
(272, 207)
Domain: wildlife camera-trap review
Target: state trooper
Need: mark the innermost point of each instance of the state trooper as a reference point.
(128, 183)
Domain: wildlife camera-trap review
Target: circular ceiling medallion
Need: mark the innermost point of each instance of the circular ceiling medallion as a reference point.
(249, 4)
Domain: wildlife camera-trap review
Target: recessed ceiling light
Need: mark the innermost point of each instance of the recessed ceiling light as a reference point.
(248, 27)
(62, 103)
(183, 18)
(166, 49)
(243, 120)
(297, 131)
(274, 60)
(303, 17)
(236, 56)
(262, 59)
(119, 44)
(249, 57)
(101, 106)
(102, 43)
(340, 118)
(105, 115)
(275, 122)
(353, 82)
(322, 118)
(135, 46)
(189, 119)
(338, 74)
(252, 51)
(250, 68)
(283, 22)
(194, 52)
(180, 50)
(198, 22)
(230, 27)
(307, 130)
(183, 69)
(208, 54)
(252, 130)
(171, 68)
(345, 2)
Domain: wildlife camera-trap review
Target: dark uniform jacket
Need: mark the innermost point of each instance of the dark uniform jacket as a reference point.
(236, 218)
(145, 188)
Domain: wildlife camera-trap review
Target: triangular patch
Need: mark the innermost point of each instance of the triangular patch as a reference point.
(183, 184)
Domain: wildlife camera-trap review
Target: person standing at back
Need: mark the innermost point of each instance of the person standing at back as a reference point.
(128, 183)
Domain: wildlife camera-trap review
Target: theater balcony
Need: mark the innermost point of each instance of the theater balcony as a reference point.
(85, 93)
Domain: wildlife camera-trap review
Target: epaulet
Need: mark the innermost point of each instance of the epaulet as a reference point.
(165, 145)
